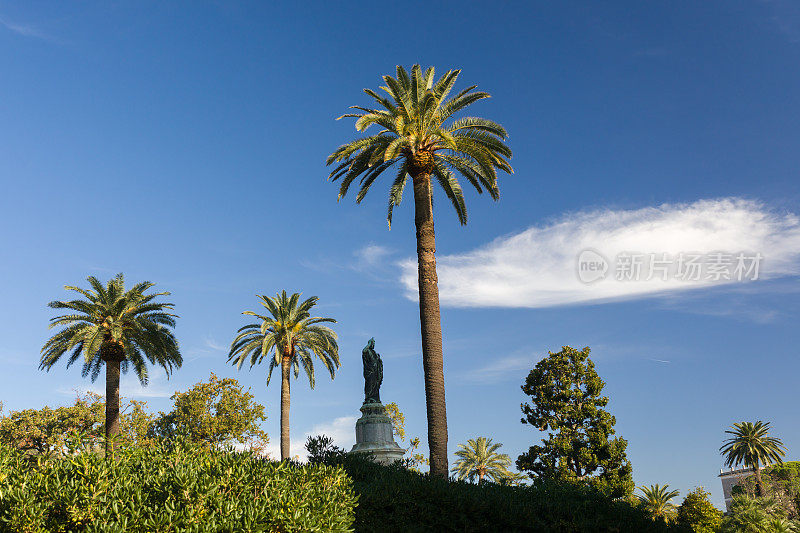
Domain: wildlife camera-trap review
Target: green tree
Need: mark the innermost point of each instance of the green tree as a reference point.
(698, 514)
(566, 402)
(656, 500)
(419, 140)
(294, 336)
(115, 327)
(413, 459)
(46, 432)
(215, 412)
(480, 458)
(752, 446)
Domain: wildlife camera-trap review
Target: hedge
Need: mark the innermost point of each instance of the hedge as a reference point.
(166, 487)
(394, 499)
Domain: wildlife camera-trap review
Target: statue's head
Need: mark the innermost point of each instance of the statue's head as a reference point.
(371, 342)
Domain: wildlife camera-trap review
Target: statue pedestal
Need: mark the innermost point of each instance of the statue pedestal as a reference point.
(374, 435)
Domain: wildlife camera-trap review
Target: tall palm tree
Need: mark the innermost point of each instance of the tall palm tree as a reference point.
(752, 445)
(657, 502)
(294, 335)
(479, 458)
(115, 327)
(418, 140)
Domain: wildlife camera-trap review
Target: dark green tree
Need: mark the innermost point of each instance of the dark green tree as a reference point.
(215, 412)
(288, 330)
(117, 329)
(566, 403)
(419, 140)
(698, 514)
(752, 446)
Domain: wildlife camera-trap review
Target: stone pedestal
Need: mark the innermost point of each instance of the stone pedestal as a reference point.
(374, 435)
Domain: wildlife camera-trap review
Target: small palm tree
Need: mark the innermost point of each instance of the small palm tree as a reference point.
(115, 327)
(479, 458)
(294, 335)
(657, 502)
(417, 141)
(752, 446)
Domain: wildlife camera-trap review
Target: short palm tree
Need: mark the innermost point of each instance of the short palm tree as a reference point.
(752, 446)
(419, 141)
(480, 458)
(294, 335)
(116, 328)
(657, 502)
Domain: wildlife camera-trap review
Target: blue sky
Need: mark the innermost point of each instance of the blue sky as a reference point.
(185, 144)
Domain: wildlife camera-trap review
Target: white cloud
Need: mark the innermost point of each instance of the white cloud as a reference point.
(538, 267)
(502, 369)
(370, 255)
(24, 30)
(342, 430)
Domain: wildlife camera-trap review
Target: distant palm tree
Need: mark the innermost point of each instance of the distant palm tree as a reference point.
(294, 335)
(656, 501)
(752, 446)
(416, 142)
(479, 458)
(116, 327)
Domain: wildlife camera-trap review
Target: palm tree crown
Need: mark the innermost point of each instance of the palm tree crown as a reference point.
(479, 458)
(289, 330)
(111, 324)
(657, 502)
(417, 140)
(752, 446)
(294, 335)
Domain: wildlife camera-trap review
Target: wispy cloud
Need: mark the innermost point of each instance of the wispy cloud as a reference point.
(505, 368)
(786, 18)
(25, 30)
(371, 255)
(538, 267)
(214, 345)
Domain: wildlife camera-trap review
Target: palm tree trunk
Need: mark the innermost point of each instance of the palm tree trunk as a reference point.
(759, 484)
(431, 325)
(112, 403)
(285, 453)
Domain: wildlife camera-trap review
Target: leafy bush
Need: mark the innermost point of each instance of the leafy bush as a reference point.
(698, 514)
(174, 487)
(393, 498)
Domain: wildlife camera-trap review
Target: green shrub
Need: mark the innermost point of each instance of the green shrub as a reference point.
(166, 487)
(395, 499)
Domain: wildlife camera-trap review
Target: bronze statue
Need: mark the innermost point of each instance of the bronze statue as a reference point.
(373, 372)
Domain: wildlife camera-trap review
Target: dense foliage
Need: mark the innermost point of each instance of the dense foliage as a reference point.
(697, 514)
(216, 412)
(395, 499)
(757, 515)
(45, 432)
(566, 402)
(781, 482)
(176, 487)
